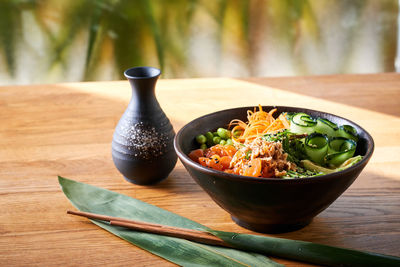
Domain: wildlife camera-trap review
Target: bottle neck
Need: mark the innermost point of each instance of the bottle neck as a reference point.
(143, 100)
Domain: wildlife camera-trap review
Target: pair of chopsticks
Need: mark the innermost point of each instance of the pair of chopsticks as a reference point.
(294, 250)
(188, 234)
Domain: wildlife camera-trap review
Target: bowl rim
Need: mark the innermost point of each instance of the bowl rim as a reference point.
(215, 173)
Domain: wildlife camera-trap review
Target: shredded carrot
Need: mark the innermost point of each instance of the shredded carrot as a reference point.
(259, 123)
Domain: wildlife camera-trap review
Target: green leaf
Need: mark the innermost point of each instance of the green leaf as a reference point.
(94, 32)
(97, 200)
(155, 30)
(10, 24)
(306, 251)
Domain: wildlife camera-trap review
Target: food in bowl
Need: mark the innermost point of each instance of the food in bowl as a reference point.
(294, 145)
(269, 205)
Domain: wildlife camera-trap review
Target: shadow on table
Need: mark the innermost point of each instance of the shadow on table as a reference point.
(379, 93)
(366, 217)
(75, 131)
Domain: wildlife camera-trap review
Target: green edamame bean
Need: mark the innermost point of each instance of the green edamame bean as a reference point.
(229, 142)
(209, 137)
(201, 139)
(223, 133)
(203, 146)
(216, 139)
(223, 142)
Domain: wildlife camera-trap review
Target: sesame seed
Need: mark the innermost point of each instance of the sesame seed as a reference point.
(143, 139)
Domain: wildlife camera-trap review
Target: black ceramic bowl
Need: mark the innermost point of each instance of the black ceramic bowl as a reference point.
(268, 204)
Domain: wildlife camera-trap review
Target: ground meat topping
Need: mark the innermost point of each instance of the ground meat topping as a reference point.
(273, 158)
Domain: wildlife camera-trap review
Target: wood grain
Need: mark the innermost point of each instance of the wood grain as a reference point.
(66, 129)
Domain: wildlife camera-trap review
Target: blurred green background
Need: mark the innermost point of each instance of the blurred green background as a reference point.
(46, 41)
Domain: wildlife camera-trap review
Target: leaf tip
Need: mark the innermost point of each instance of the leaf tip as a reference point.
(60, 179)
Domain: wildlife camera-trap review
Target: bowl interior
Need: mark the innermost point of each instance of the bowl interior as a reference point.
(185, 138)
(273, 204)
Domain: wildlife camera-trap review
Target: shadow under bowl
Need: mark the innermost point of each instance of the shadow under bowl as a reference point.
(268, 205)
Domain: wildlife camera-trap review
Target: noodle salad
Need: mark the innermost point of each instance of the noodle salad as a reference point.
(291, 146)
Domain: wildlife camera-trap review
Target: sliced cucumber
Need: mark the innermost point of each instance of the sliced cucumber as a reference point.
(326, 144)
(302, 123)
(347, 131)
(340, 149)
(316, 147)
(325, 126)
(290, 115)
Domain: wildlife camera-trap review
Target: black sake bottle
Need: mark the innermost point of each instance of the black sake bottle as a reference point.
(142, 146)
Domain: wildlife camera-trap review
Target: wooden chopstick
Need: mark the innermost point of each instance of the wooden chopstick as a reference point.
(110, 218)
(188, 234)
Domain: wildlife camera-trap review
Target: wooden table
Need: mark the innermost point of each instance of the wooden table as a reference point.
(66, 129)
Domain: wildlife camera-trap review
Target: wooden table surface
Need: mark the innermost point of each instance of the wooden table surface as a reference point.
(66, 129)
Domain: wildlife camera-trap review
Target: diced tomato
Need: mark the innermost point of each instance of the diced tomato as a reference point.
(196, 154)
(203, 161)
(225, 162)
(221, 151)
(217, 157)
(213, 162)
(253, 168)
(230, 150)
(214, 150)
